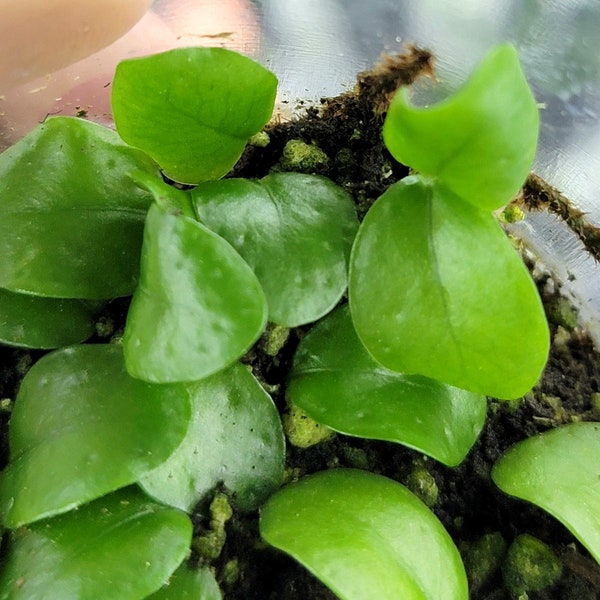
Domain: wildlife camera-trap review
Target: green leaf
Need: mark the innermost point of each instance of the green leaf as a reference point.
(189, 584)
(337, 383)
(365, 536)
(192, 109)
(82, 427)
(436, 289)
(71, 219)
(235, 438)
(198, 306)
(294, 230)
(120, 546)
(481, 141)
(560, 472)
(36, 322)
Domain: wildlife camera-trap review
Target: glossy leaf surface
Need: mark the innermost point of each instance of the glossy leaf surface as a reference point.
(71, 219)
(82, 427)
(198, 306)
(235, 438)
(436, 289)
(119, 546)
(481, 141)
(192, 109)
(559, 471)
(294, 230)
(37, 322)
(337, 383)
(365, 536)
(189, 584)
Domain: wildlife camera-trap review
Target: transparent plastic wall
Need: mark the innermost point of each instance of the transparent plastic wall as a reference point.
(316, 48)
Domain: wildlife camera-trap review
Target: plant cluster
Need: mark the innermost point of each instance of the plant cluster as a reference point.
(114, 446)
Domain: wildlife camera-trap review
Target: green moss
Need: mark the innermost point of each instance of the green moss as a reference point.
(303, 158)
(274, 339)
(301, 430)
(484, 558)
(422, 483)
(260, 139)
(530, 566)
(512, 214)
(209, 544)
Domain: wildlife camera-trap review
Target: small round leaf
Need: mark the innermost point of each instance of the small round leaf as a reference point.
(82, 427)
(365, 536)
(192, 109)
(437, 289)
(234, 438)
(119, 546)
(71, 218)
(481, 141)
(559, 471)
(294, 230)
(337, 383)
(198, 306)
(38, 322)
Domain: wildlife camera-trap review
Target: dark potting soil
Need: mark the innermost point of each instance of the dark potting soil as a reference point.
(347, 131)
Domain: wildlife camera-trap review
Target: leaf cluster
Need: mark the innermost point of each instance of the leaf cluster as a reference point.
(137, 435)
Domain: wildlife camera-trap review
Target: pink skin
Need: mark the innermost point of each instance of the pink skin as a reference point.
(84, 87)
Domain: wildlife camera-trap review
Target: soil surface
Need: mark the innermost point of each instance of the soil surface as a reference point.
(347, 130)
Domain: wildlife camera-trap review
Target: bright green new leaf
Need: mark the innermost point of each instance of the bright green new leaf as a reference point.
(481, 141)
(192, 109)
(235, 438)
(294, 230)
(71, 219)
(365, 536)
(189, 584)
(560, 472)
(436, 289)
(198, 306)
(120, 546)
(36, 322)
(337, 383)
(82, 427)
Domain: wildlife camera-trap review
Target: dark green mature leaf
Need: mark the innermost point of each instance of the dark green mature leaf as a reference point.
(235, 438)
(560, 472)
(481, 141)
(189, 584)
(192, 109)
(198, 306)
(437, 289)
(120, 546)
(365, 536)
(294, 230)
(36, 322)
(337, 383)
(82, 427)
(71, 219)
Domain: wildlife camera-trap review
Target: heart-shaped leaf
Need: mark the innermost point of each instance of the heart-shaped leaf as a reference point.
(436, 289)
(82, 427)
(560, 472)
(365, 536)
(481, 141)
(294, 230)
(192, 109)
(337, 383)
(189, 584)
(71, 219)
(198, 306)
(235, 438)
(37, 322)
(120, 546)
